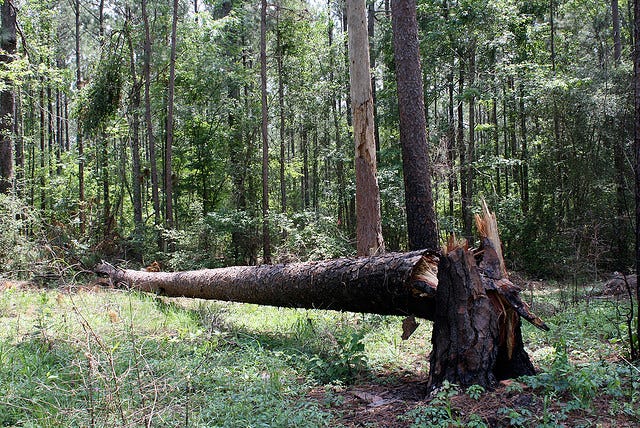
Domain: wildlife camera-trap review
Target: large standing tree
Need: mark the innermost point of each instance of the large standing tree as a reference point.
(421, 223)
(8, 45)
(368, 218)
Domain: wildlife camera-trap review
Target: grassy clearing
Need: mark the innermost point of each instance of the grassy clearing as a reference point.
(118, 358)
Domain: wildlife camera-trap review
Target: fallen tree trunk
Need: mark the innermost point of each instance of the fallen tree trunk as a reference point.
(389, 284)
(477, 310)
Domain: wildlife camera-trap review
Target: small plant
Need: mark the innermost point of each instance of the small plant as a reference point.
(475, 391)
(346, 359)
(516, 418)
(439, 412)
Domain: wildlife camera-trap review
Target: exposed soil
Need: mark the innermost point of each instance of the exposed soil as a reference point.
(380, 404)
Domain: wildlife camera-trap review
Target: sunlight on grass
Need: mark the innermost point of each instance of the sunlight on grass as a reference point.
(119, 358)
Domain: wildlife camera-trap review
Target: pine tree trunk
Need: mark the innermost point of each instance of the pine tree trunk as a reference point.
(168, 158)
(146, 71)
(368, 217)
(466, 326)
(421, 219)
(392, 284)
(7, 100)
(266, 239)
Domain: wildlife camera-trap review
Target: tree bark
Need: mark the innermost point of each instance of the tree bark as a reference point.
(635, 352)
(7, 100)
(266, 240)
(464, 348)
(391, 284)
(421, 223)
(368, 217)
(146, 71)
(135, 141)
(476, 335)
(79, 142)
(168, 158)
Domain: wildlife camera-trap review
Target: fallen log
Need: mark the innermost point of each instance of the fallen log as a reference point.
(476, 308)
(388, 284)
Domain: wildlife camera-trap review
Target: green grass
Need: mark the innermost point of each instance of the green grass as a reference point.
(115, 358)
(118, 358)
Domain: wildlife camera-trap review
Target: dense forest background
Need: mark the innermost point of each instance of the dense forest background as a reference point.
(126, 148)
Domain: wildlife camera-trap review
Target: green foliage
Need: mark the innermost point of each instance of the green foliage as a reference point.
(440, 412)
(101, 98)
(21, 237)
(342, 361)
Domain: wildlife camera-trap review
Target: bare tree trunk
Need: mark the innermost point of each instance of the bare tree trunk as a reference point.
(266, 240)
(462, 152)
(469, 158)
(279, 63)
(148, 118)
(617, 42)
(371, 19)
(80, 144)
(421, 219)
(635, 352)
(135, 141)
(168, 157)
(368, 217)
(393, 283)
(7, 98)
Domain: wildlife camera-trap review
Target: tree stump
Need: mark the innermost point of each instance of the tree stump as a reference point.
(465, 332)
(477, 336)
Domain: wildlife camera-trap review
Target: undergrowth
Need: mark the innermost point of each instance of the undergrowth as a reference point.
(80, 357)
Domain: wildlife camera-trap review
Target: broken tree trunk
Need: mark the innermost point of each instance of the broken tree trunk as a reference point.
(389, 284)
(477, 310)
(476, 336)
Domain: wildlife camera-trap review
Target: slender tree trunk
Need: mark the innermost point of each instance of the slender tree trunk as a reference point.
(79, 142)
(43, 151)
(462, 152)
(168, 154)
(334, 101)
(368, 218)
(524, 168)
(146, 70)
(371, 19)
(135, 141)
(279, 63)
(621, 244)
(19, 136)
(421, 219)
(7, 98)
(617, 42)
(451, 144)
(266, 240)
(472, 142)
(635, 351)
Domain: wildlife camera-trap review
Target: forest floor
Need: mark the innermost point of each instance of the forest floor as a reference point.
(93, 356)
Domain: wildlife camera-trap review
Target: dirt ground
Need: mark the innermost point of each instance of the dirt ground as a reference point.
(376, 404)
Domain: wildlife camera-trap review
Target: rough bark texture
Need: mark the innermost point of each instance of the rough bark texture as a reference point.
(368, 217)
(477, 310)
(8, 44)
(466, 325)
(391, 284)
(476, 335)
(421, 224)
